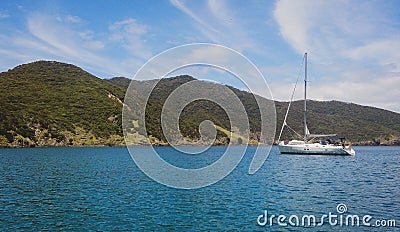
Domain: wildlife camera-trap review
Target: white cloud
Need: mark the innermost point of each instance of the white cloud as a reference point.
(353, 44)
(371, 93)
(293, 23)
(365, 87)
(52, 37)
(72, 19)
(130, 26)
(66, 39)
(219, 23)
(131, 35)
(200, 21)
(335, 28)
(68, 19)
(181, 6)
(383, 51)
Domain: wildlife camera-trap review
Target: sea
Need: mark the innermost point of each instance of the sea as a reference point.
(102, 189)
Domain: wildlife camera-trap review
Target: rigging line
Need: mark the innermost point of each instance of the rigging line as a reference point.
(291, 99)
(294, 131)
(291, 135)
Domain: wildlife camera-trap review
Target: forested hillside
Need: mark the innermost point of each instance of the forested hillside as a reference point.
(57, 104)
(47, 103)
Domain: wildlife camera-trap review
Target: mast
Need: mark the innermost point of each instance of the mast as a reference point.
(305, 97)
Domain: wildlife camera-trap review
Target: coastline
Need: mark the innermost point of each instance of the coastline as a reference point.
(363, 144)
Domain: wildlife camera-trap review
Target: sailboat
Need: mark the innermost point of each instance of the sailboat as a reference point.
(307, 146)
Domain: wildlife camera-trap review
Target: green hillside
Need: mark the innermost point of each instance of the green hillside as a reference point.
(359, 124)
(51, 103)
(362, 125)
(48, 103)
(197, 111)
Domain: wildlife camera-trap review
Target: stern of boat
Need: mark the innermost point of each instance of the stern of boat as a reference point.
(350, 151)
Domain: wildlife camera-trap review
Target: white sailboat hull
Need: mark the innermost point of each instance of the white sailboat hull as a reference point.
(307, 148)
(315, 149)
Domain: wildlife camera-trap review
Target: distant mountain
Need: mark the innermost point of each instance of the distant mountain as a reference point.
(47, 103)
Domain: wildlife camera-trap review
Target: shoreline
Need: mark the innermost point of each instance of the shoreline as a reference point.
(167, 145)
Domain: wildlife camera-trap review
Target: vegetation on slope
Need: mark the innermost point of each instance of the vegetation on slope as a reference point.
(48, 103)
(358, 124)
(51, 103)
(195, 112)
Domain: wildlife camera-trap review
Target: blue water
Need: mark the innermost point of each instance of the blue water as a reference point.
(102, 189)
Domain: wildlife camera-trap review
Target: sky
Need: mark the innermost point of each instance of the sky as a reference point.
(353, 46)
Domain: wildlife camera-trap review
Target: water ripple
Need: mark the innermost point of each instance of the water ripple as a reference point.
(102, 189)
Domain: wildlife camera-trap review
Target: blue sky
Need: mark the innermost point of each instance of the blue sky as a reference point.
(353, 46)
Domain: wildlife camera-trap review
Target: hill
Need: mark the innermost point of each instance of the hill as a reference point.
(47, 103)
(55, 104)
(200, 110)
(363, 125)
